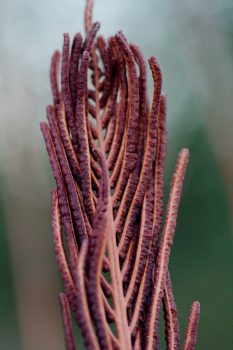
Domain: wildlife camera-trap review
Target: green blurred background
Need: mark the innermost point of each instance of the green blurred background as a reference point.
(193, 41)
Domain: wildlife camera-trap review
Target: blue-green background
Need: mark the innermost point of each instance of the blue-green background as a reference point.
(193, 41)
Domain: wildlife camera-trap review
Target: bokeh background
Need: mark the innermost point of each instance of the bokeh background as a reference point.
(193, 40)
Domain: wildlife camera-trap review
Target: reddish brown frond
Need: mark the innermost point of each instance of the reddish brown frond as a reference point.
(88, 15)
(107, 149)
(60, 253)
(65, 309)
(54, 67)
(74, 65)
(161, 267)
(171, 320)
(83, 311)
(96, 250)
(191, 334)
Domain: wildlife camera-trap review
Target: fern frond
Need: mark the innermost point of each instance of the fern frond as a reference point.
(107, 147)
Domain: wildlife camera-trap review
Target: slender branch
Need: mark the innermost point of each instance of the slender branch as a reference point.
(69, 338)
(191, 334)
(170, 315)
(164, 251)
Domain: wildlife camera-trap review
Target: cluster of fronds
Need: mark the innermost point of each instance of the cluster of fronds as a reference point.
(107, 148)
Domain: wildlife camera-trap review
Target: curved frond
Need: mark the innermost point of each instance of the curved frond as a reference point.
(107, 147)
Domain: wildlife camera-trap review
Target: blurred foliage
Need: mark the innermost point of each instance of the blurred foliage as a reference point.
(202, 259)
(9, 335)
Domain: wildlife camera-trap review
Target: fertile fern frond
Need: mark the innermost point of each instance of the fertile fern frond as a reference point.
(107, 146)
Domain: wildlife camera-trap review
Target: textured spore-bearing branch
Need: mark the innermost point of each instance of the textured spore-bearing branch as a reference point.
(107, 147)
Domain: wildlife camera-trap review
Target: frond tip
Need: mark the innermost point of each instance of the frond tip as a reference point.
(65, 309)
(191, 334)
(107, 148)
